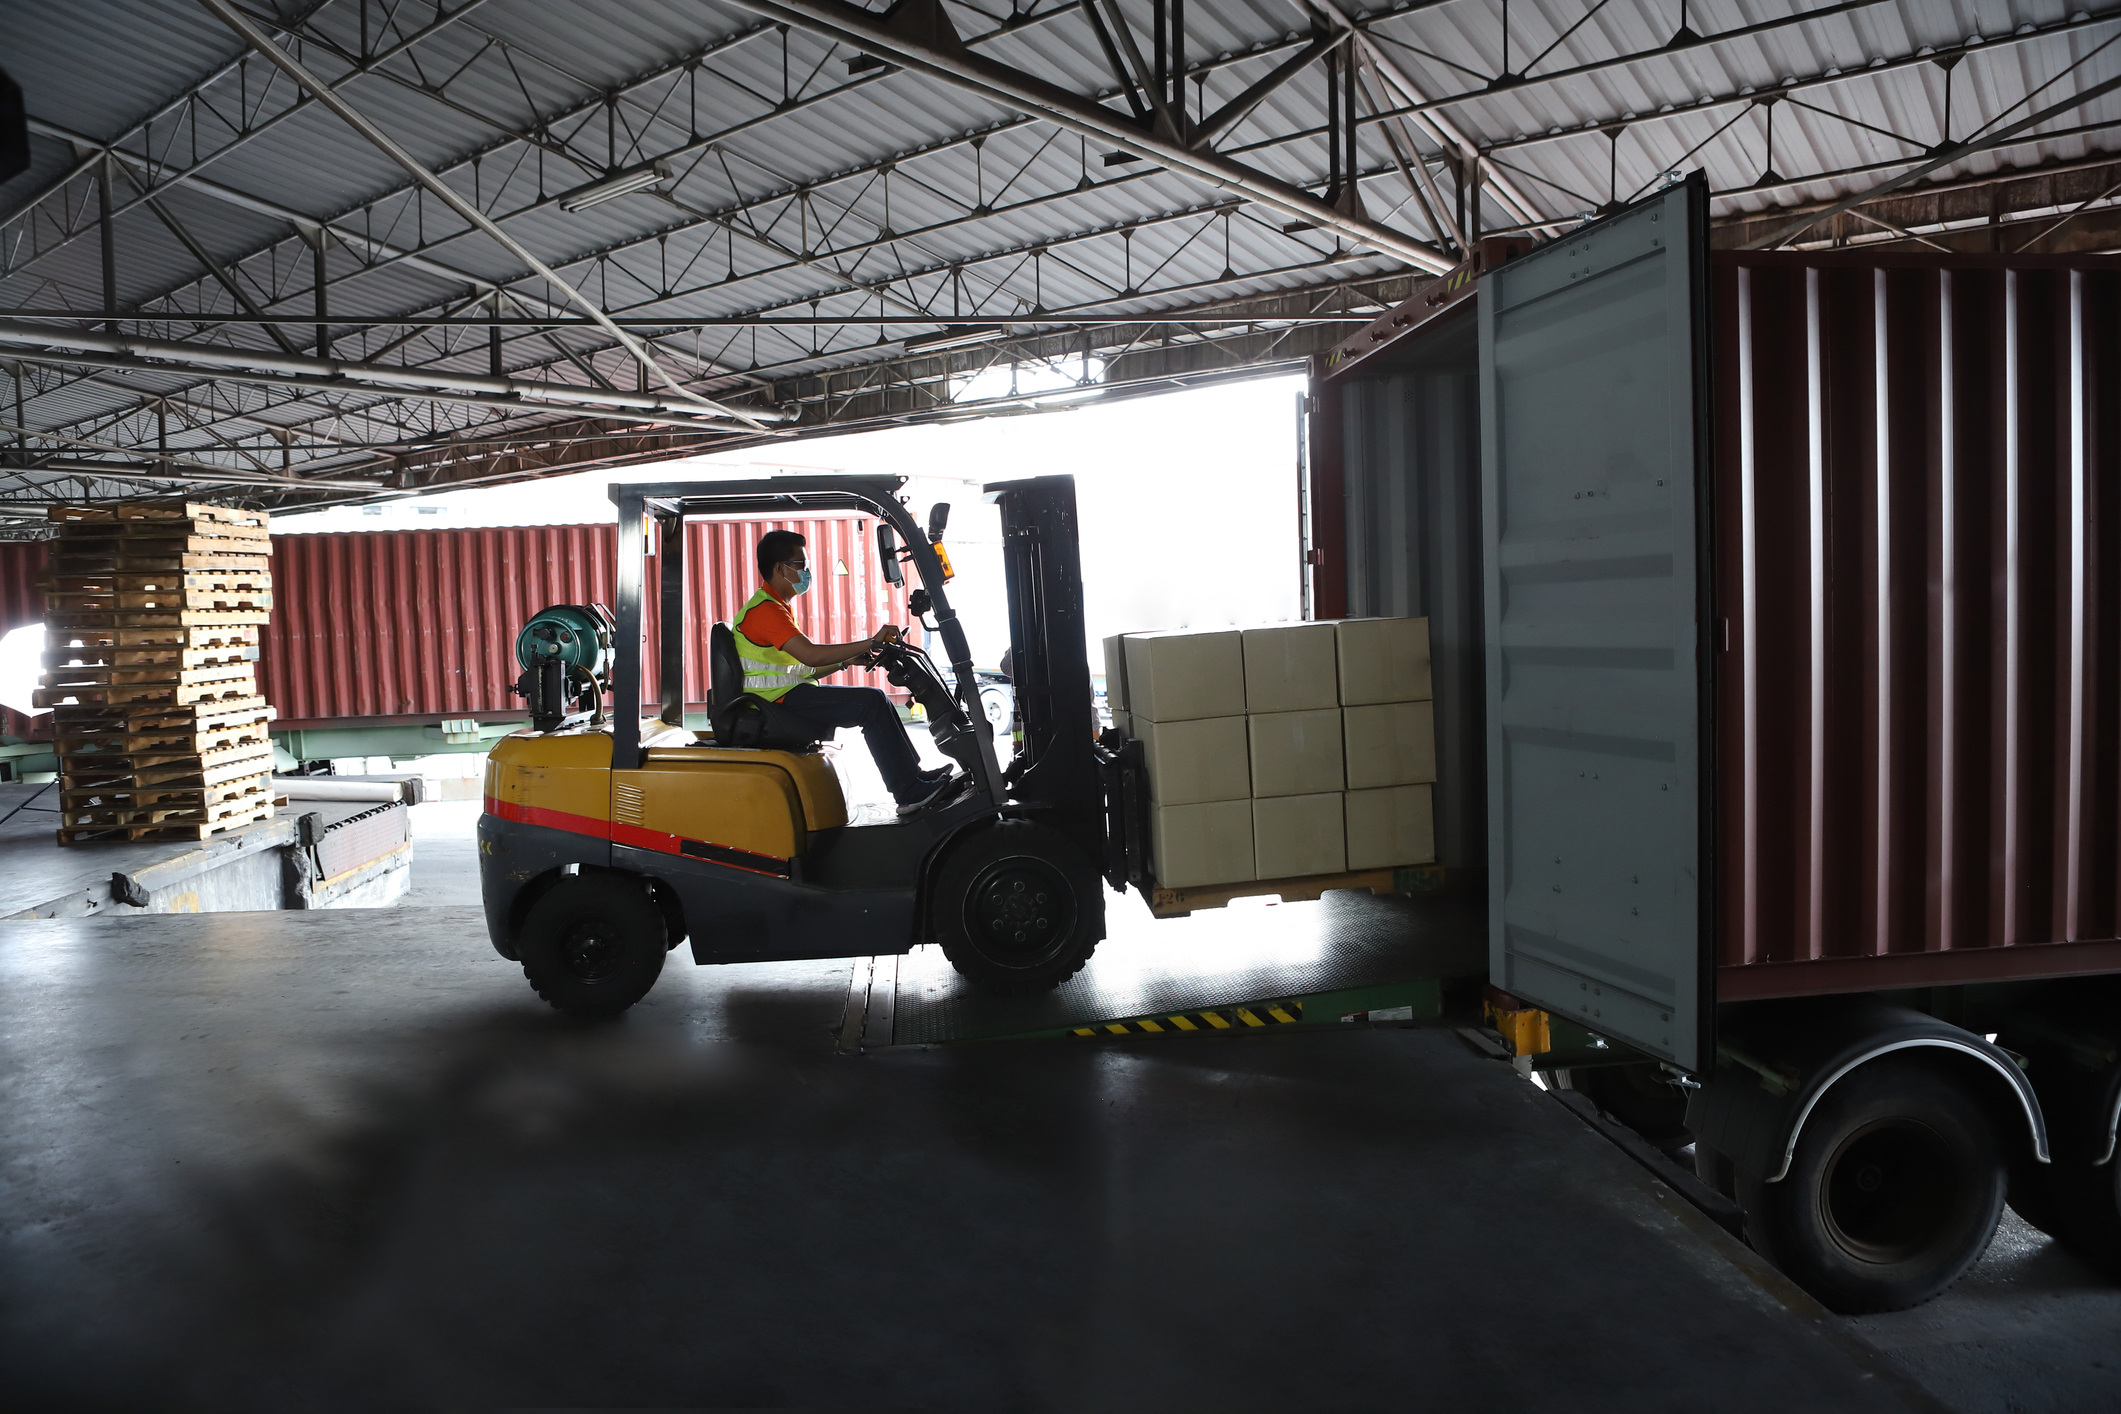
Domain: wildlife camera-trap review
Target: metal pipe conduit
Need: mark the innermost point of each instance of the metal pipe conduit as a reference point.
(15, 333)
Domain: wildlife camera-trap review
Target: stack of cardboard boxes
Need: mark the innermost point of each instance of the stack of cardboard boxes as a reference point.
(1282, 752)
(152, 616)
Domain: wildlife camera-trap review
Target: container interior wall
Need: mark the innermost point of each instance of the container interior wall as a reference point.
(1410, 463)
(1919, 756)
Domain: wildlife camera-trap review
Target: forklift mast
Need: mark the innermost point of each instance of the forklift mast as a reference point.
(1056, 769)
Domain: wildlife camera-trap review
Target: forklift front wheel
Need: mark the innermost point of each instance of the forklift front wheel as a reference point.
(594, 944)
(1013, 908)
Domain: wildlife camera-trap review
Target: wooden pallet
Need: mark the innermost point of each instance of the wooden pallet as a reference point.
(164, 599)
(103, 757)
(93, 675)
(115, 805)
(140, 559)
(96, 716)
(176, 812)
(85, 770)
(169, 830)
(153, 511)
(180, 694)
(174, 741)
(75, 581)
(1177, 903)
(148, 655)
(207, 716)
(77, 553)
(199, 636)
(78, 620)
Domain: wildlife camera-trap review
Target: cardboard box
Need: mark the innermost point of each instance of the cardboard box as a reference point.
(1191, 763)
(1298, 835)
(1184, 676)
(1296, 753)
(1192, 845)
(1391, 827)
(1116, 674)
(1383, 660)
(1392, 744)
(1291, 668)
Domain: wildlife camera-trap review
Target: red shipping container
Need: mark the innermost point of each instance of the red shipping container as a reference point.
(420, 624)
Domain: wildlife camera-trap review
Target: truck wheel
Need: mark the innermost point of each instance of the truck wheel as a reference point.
(1014, 908)
(1894, 1191)
(1636, 1095)
(594, 944)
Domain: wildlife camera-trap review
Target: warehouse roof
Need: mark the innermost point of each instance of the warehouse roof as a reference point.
(353, 246)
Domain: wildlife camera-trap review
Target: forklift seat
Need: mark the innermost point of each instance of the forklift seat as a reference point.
(744, 719)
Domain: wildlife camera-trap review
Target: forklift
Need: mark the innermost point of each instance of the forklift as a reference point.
(610, 838)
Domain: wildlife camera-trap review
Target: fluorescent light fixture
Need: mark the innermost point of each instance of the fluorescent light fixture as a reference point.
(954, 336)
(632, 179)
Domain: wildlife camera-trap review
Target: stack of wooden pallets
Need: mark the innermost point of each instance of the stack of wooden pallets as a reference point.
(152, 617)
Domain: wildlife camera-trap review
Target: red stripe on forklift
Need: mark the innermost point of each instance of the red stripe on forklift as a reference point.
(633, 836)
(550, 819)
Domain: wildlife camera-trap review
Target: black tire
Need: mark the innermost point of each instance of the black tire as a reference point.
(1638, 1096)
(1016, 908)
(1894, 1191)
(594, 944)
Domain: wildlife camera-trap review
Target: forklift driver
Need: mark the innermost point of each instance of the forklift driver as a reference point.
(780, 665)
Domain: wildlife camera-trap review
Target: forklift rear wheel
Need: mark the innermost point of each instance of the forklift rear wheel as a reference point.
(594, 944)
(1013, 908)
(1894, 1191)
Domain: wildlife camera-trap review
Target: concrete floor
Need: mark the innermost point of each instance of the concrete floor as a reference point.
(2030, 1330)
(240, 1177)
(346, 1161)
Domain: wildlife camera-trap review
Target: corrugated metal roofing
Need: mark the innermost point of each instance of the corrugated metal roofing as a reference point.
(799, 189)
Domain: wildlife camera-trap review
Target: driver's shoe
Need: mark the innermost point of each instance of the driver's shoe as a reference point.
(927, 789)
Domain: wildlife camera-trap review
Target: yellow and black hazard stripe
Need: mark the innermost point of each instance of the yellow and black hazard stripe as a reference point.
(1241, 1018)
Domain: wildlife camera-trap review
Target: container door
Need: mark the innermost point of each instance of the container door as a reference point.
(1593, 393)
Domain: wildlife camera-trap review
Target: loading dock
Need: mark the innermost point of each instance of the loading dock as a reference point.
(336, 254)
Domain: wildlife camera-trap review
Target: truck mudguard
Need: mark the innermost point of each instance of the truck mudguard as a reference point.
(1776, 1060)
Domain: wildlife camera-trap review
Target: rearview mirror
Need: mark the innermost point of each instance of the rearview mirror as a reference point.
(887, 552)
(938, 521)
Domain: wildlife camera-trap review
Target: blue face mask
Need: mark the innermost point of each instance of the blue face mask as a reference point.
(802, 580)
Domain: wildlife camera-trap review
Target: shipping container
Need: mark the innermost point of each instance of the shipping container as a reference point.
(1792, 624)
(422, 623)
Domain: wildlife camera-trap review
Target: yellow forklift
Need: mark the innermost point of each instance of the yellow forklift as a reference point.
(609, 837)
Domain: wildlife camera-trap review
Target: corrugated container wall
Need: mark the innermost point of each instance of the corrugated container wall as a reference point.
(1918, 562)
(422, 623)
(1916, 565)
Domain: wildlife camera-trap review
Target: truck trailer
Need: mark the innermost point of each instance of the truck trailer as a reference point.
(1773, 600)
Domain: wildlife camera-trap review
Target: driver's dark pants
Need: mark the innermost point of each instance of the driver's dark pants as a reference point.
(826, 709)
